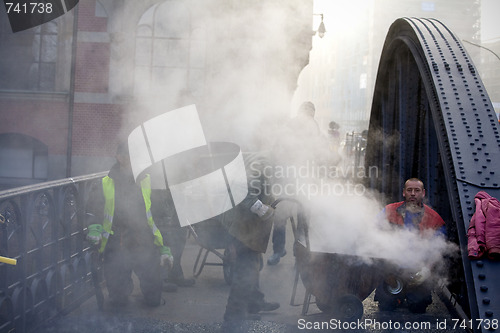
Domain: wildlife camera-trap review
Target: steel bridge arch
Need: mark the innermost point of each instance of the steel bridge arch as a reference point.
(431, 118)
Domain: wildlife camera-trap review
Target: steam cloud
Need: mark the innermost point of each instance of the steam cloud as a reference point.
(354, 225)
(251, 102)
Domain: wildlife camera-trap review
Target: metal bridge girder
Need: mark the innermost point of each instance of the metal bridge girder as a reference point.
(429, 92)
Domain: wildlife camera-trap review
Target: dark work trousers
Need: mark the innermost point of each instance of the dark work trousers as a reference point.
(279, 235)
(175, 238)
(284, 212)
(244, 292)
(145, 263)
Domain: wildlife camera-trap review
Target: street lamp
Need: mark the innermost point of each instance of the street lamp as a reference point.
(321, 29)
(487, 49)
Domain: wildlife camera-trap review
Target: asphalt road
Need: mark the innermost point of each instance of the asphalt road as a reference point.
(200, 308)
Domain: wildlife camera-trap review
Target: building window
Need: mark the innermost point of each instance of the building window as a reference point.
(23, 160)
(28, 58)
(170, 52)
(43, 67)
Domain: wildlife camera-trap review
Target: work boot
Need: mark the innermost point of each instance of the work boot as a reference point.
(264, 306)
(275, 258)
(182, 282)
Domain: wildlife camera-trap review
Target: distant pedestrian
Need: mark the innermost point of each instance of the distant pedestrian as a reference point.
(299, 147)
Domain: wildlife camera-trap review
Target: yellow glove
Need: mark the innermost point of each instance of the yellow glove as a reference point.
(94, 234)
(166, 258)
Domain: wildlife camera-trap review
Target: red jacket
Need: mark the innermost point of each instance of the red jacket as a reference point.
(484, 228)
(430, 220)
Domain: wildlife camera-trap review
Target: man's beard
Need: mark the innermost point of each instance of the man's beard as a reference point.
(413, 206)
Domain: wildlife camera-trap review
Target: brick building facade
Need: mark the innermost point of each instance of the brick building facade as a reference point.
(238, 61)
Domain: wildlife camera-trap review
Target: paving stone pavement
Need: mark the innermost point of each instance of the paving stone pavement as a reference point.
(200, 308)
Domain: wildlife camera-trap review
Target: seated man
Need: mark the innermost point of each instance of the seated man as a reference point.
(412, 214)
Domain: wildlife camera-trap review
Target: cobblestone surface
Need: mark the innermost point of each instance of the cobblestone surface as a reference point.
(200, 308)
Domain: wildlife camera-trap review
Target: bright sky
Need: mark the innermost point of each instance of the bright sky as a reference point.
(490, 22)
(490, 12)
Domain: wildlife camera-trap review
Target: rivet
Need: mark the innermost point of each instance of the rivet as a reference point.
(480, 264)
(481, 276)
(486, 301)
(489, 313)
(483, 288)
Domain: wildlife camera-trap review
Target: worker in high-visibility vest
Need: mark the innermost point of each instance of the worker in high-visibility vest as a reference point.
(122, 227)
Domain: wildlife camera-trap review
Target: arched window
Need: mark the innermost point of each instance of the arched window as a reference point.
(170, 52)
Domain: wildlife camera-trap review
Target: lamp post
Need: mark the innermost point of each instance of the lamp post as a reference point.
(487, 49)
(321, 29)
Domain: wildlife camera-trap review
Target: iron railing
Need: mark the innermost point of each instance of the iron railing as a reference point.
(42, 227)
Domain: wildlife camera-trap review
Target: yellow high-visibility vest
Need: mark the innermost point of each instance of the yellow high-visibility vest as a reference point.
(108, 187)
